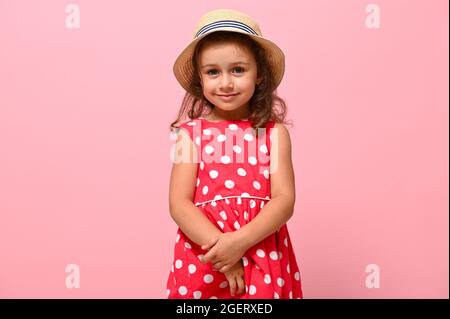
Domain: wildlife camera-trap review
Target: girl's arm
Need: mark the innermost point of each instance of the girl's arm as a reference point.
(188, 217)
(281, 206)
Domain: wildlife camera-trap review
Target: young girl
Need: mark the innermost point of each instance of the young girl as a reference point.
(232, 186)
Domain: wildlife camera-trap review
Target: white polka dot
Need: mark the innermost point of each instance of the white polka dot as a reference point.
(233, 127)
(205, 190)
(290, 294)
(187, 245)
(263, 148)
(241, 172)
(262, 204)
(197, 140)
(178, 264)
(225, 159)
(197, 294)
(208, 278)
(236, 225)
(178, 238)
(257, 267)
(252, 290)
(236, 212)
(273, 255)
(209, 149)
(191, 123)
(280, 282)
(202, 165)
(297, 276)
(285, 242)
(256, 185)
(221, 138)
(213, 173)
(229, 184)
(198, 181)
(223, 284)
(227, 200)
(237, 149)
(288, 268)
(245, 215)
(252, 203)
(266, 174)
(200, 257)
(217, 197)
(267, 279)
(168, 292)
(182, 290)
(245, 261)
(261, 253)
(171, 269)
(223, 215)
(239, 201)
(246, 289)
(207, 132)
(220, 224)
(275, 295)
(245, 195)
(252, 160)
(213, 297)
(192, 268)
(280, 255)
(248, 137)
(213, 203)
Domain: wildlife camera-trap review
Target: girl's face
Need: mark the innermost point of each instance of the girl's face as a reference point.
(228, 75)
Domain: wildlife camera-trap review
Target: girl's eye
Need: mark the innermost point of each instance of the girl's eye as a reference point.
(209, 72)
(236, 68)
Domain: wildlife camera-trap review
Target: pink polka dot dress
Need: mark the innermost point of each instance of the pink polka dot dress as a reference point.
(232, 187)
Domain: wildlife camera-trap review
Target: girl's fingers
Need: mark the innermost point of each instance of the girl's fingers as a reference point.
(217, 266)
(210, 256)
(225, 268)
(232, 282)
(240, 284)
(211, 243)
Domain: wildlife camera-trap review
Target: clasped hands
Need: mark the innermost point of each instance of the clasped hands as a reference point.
(225, 250)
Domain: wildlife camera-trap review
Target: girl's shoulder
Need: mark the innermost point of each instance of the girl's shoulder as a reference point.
(189, 126)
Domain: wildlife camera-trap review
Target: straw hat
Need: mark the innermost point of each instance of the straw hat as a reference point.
(233, 21)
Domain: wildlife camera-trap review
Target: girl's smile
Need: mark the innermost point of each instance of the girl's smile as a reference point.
(228, 75)
(228, 97)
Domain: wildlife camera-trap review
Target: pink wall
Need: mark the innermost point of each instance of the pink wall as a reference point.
(84, 145)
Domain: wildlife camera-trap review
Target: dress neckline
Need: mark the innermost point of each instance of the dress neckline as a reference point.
(221, 121)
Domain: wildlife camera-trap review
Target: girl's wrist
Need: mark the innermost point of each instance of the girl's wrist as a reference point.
(244, 238)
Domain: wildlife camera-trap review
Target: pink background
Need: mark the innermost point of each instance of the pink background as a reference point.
(84, 144)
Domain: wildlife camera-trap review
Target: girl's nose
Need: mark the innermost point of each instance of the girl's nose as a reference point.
(227, 82)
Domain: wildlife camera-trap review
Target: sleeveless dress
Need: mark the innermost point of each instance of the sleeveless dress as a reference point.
(233, 185)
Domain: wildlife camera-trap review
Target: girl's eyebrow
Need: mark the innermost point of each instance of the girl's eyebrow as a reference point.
(234, 63)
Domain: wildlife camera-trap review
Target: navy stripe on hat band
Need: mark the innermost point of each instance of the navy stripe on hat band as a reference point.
(225, 23)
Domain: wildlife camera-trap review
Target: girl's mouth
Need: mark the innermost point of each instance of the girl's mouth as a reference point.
(228, 96)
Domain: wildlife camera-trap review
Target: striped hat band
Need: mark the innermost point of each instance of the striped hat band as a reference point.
(225, 24)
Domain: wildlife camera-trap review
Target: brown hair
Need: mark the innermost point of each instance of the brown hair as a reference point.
(262, 103)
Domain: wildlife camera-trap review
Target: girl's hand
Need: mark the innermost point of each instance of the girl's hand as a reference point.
(235, 277)
(225, 251)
